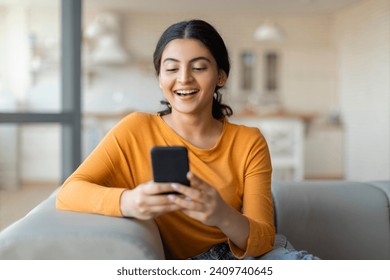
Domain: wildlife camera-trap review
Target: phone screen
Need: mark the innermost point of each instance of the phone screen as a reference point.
(170, 164)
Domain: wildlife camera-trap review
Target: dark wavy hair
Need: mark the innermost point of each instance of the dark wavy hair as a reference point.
(207, 34)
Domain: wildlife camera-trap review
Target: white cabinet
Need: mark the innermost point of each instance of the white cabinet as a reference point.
(285, 138)
(40, 153)
(324, 152)
(29, 154)
(9, 142)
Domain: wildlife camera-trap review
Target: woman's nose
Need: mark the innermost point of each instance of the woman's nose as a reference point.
(184, 76)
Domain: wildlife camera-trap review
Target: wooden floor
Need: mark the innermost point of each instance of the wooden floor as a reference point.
(17, 203)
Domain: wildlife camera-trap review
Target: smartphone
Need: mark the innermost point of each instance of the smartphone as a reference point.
(170, 164)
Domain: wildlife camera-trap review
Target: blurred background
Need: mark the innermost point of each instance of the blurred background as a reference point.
(313, 75)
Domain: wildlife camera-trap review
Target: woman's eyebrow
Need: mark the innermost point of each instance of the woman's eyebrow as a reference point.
(192, 60)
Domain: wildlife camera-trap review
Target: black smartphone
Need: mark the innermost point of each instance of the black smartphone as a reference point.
(170, 164)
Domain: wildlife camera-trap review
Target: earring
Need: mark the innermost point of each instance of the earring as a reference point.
(221, 80)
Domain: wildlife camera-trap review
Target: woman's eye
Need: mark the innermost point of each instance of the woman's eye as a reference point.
(171, 69)
(199, 68)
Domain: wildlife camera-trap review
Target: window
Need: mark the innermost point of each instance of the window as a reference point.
(40, 84)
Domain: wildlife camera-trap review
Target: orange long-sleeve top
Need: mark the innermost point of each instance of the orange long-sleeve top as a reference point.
(238, 166)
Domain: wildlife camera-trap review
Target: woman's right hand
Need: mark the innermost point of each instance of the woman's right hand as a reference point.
(146, 201)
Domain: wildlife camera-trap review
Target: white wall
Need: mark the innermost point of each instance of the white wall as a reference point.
(362, 37)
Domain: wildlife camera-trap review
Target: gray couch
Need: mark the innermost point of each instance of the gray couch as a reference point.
(331, 219)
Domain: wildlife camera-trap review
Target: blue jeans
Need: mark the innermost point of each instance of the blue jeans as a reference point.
(282, 250)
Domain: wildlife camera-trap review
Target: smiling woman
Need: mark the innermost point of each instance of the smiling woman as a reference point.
(228, 207)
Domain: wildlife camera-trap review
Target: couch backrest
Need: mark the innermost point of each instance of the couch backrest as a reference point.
(335, 219)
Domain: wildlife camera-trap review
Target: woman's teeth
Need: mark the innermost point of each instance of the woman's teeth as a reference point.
(186, 92)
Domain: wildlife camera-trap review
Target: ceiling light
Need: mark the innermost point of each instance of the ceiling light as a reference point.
(269, 32)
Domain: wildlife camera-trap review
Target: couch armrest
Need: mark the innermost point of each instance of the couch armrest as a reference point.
(47, 233)
(335, 219)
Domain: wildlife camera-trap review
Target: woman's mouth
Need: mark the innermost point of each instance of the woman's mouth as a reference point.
(186, 92)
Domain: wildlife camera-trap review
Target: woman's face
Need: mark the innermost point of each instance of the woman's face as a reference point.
(188, 76)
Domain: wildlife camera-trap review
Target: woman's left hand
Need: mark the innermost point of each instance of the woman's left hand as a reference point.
(200, 201)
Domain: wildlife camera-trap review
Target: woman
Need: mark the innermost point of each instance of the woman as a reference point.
(227, 212)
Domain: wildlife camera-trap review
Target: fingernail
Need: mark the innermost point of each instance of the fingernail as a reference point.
(171, 197)
(175, 186)
(188, 198)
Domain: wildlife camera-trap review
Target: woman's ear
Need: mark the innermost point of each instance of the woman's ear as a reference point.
(222, 77)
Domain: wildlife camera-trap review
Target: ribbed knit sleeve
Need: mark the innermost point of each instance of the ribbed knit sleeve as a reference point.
(257, 201)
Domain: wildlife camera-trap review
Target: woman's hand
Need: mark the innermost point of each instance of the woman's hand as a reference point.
(202, 202)
(147, 201)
